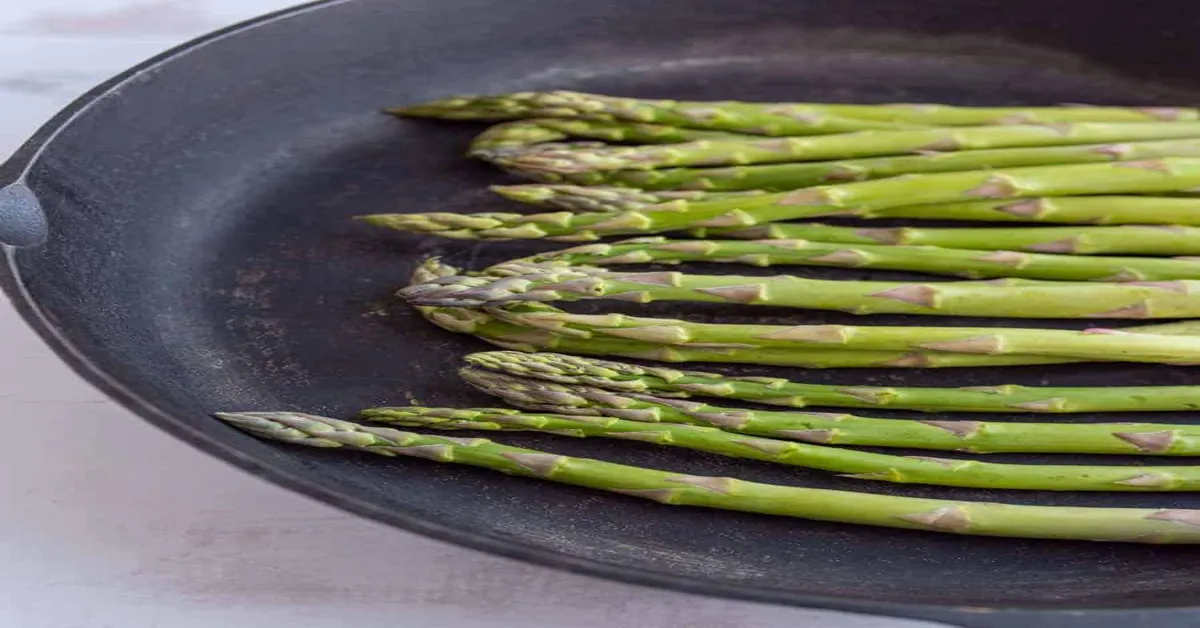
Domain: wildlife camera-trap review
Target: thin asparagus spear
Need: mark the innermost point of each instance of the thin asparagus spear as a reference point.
(532, 327)
(524, 338)
(1117, 210)
(720, 152)
(1134, 525)
(1138, 240)
(511, 332)
(577, 198)
(563, 104)
(930, 259)
(792, 176)
(519, 281)
(566, 369)
(854, 464)
(1105, 345)
(771, 118)
(1157, 439)
(848, 198)
(519, 337)
(511, 137)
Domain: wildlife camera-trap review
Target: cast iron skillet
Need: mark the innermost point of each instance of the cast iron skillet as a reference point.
(186, 246)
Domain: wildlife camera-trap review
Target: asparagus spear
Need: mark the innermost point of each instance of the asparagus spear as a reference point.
(519, 330)
(929, 259)
(771, 118)
(1106, 345)
(567, 369)
(533, 325)
(560, 282)
(517, 337)
(576, 198)
(518, 135)
(1138, 240)
(720, 152)
(854, 464)
(1134, 525)
(791, 176)
(520, 337)
(563, 104)
(514, 136)
(1159, 439)
(848, 198)
(1119, 210)
(524, 338)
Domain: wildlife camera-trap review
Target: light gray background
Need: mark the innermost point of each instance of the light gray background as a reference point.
(106, 522)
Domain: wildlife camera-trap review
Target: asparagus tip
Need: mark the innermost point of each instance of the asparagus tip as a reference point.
(522, 193)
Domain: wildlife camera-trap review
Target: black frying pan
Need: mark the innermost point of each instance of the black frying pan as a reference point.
(187, 248)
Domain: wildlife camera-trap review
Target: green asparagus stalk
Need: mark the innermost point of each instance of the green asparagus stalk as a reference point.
(845, 199)
(1134, 525)
(512, 137)
(1129, 239)
(929, 259)
(548, 282)
(721, 152)
(1118, 210)
(848, 462)
(488, 328)
(582, 199)
(791, 176)
(575, 370)
(563, 104)
(1105, 345)
(523, 338)
(823, 428)
(772, 118)
(518, 335)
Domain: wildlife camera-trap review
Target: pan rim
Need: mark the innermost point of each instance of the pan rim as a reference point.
(26, 306)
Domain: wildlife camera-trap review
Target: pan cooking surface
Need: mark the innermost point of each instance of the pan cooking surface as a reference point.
(211, 264)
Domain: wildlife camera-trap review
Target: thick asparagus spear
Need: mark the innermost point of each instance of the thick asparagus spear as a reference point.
(561, 282)
(1134, 525)
(791, 176)
(521, 336)
(771, 118)
(855, 464)
(935, 260)
(1158, 439)
(720, 152)
(511, 137)
(566, 369)
(1131, 239)
(845, 199)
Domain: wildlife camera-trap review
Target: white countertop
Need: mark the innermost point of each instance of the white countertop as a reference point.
(107, 522)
